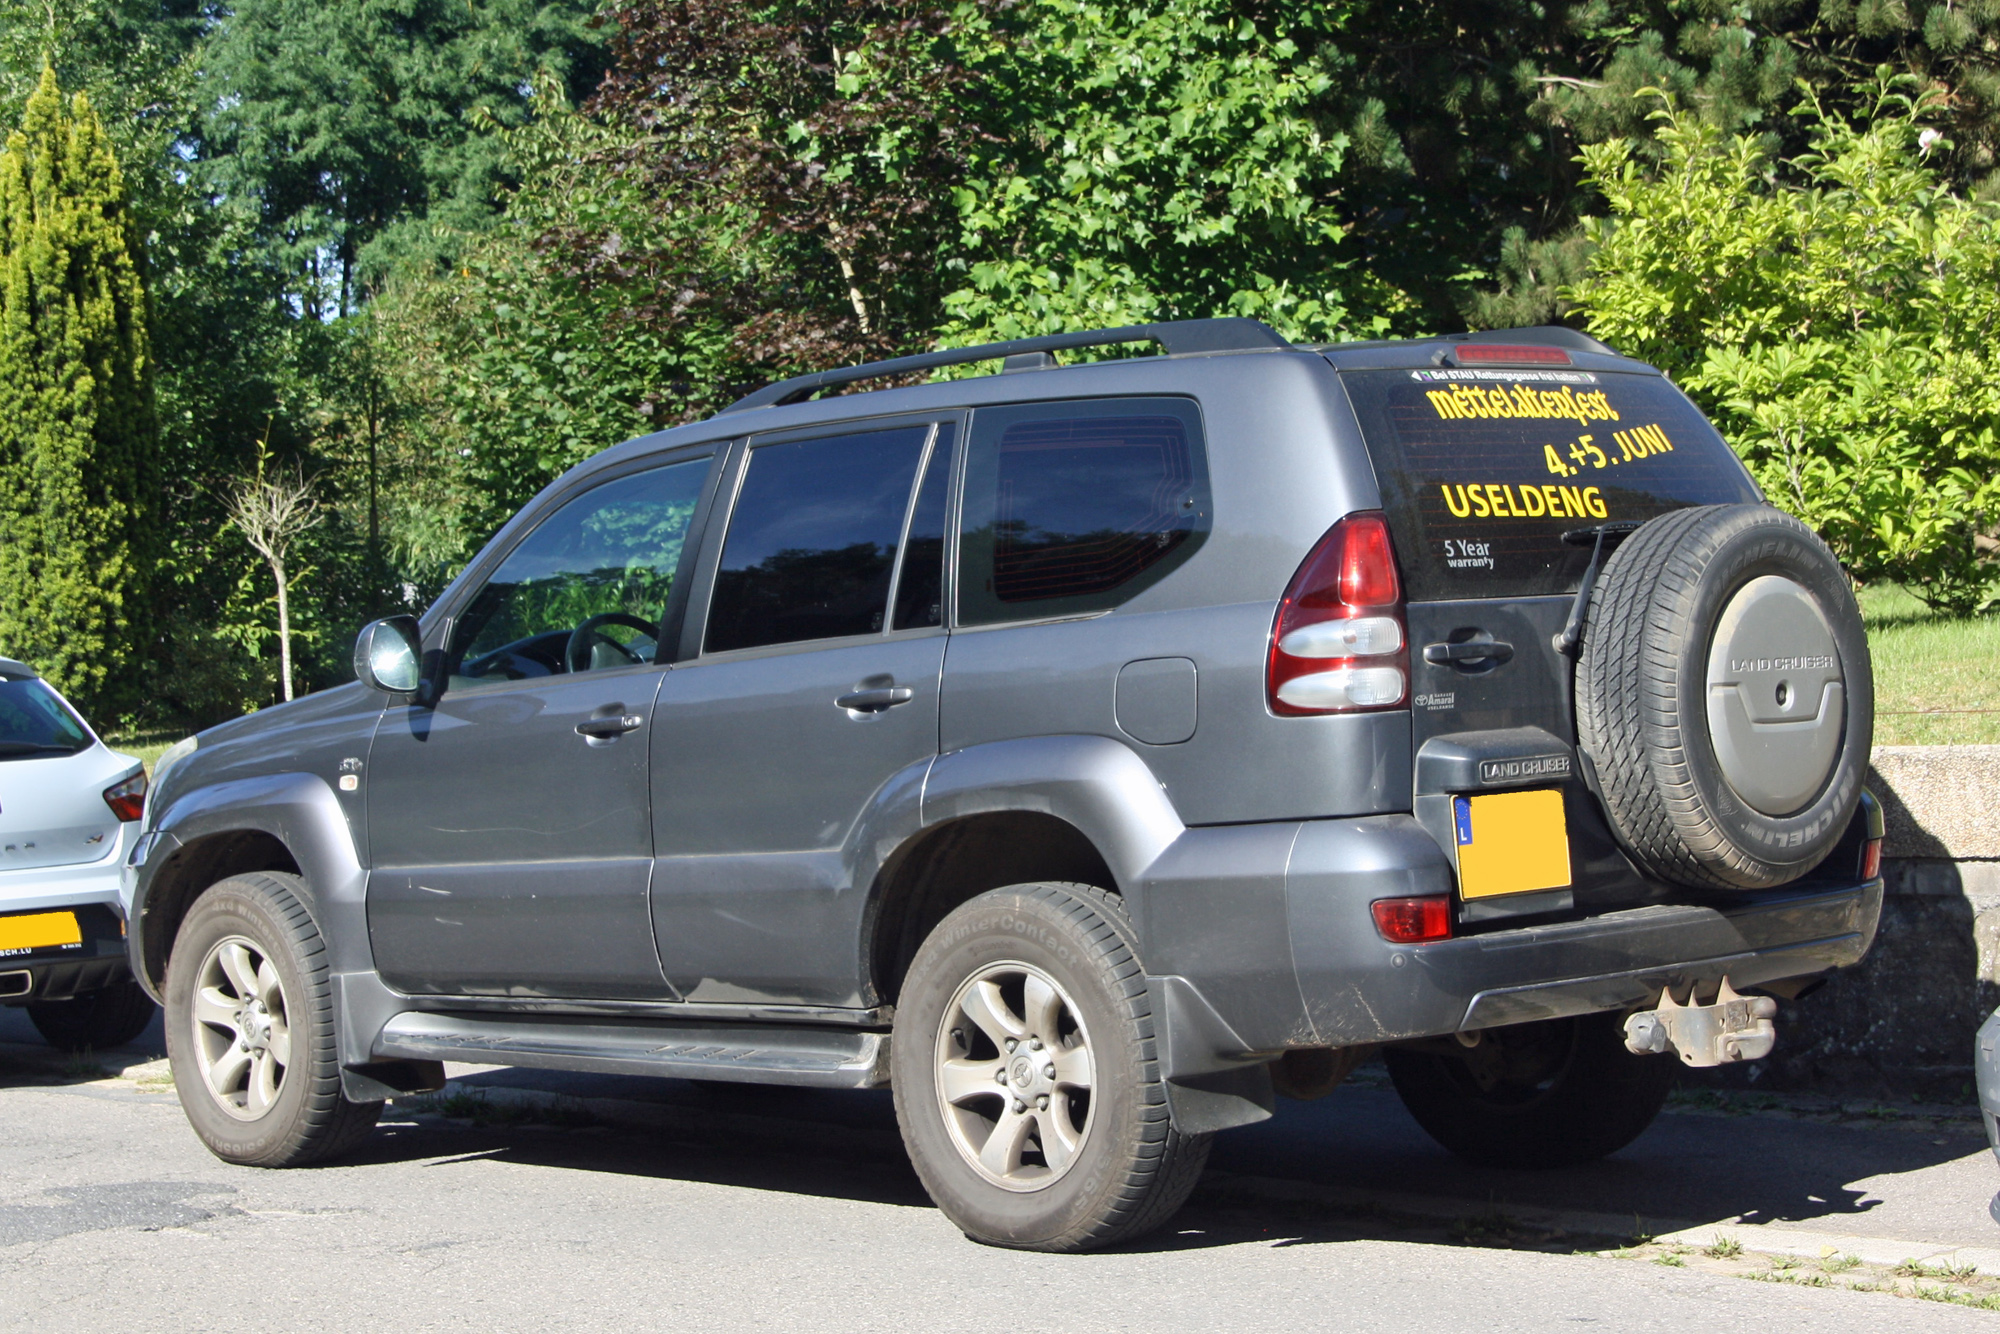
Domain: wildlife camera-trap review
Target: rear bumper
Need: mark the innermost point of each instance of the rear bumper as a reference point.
(68, 886)
(1269, 924)
(1627, 958)
(61, 972)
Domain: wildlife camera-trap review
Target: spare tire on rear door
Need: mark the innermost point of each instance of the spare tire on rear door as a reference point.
(1724, 700)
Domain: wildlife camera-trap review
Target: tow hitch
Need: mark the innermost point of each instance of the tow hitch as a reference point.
(1731, 1028)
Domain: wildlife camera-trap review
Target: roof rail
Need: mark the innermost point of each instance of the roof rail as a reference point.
(1178, 337)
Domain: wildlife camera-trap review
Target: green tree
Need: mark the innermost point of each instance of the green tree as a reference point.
(350, 124)
(590, 313)
(1834, 314)
(77, 424)
(1166, 160)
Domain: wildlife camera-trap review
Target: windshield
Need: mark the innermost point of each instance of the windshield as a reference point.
(1483, 472)
(35, 721)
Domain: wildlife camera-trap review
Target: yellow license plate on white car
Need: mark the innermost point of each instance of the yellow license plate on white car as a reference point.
(1511, 843)
(38, 931)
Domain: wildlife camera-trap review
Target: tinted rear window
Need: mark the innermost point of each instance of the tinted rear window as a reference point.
(33, 721)
(1484, 471)
(1075, 507)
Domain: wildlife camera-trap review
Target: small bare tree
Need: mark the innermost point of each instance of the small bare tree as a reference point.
(272, 510)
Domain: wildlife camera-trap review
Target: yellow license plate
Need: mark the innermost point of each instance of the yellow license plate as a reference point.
(39, 931)
(1511, 843)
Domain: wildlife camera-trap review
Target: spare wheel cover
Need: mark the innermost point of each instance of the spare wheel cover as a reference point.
(1725, 702)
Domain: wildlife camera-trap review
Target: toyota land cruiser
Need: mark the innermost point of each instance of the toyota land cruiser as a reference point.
(1091, 752)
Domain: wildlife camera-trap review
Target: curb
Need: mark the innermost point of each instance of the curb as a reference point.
(1762, 1239)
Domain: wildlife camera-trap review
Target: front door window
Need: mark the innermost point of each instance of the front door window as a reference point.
(586, 590)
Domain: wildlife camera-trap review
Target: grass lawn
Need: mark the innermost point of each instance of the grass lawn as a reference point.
(148, 746)
(1935, 681)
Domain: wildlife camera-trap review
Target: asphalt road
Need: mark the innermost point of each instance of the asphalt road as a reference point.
(784, 1210)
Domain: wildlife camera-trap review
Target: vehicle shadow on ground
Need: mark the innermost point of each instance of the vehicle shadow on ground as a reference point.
(26, 1058)
(1686, 1168)
(1356, 1158)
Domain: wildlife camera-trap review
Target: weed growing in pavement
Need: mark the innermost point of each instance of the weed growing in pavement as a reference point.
(463, 1105)
(83, 1065)
(1490, 1229)
(1953, 1285)
(1956, 1297)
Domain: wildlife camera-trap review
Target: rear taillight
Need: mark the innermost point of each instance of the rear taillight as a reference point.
(127, 800)
(1413, 921)
(1871, 859)
(1339, 644)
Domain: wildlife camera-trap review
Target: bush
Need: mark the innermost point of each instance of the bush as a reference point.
(1835, 315)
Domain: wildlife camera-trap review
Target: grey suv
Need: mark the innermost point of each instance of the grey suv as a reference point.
(1090, 752)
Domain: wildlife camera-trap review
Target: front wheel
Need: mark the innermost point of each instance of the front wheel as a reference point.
(1549, 1094)
(1026, 1081)
(250, 1028)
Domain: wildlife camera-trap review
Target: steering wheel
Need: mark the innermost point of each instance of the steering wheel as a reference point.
(576, 656)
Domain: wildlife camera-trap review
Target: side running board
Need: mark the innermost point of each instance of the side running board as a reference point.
(817, 1057)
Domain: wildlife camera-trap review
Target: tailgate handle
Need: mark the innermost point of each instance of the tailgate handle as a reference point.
(1475, 650)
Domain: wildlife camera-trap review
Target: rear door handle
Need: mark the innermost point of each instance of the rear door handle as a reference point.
(1473, 650)
(605, 728)
(876, 700)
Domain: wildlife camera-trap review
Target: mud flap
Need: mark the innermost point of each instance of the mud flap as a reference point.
(1212, 1082)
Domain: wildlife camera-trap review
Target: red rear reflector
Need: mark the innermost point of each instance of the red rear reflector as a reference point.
(1516, 354)
(127, 800)
(1871, 859)
(1413, 921)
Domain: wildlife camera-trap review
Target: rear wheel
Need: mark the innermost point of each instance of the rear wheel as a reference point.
(1026, 1079)
(1549, 1094)
(96, 1020)
(250, 1028)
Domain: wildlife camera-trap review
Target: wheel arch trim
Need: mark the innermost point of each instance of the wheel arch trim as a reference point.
(301, 813)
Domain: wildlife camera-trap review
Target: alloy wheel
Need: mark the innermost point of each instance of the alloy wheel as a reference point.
(242, 1030)
(1014, 1076)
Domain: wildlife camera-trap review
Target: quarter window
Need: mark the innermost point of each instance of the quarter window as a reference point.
(587, 588)
(1075, 507)
(813, 539)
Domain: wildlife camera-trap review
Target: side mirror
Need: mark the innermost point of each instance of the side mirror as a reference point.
(388, 655)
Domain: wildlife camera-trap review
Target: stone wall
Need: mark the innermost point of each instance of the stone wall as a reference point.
(1901, 1024)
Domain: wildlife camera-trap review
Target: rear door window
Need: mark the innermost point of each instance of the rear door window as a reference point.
(1493, 479)
(1075, 507)
(813, 539)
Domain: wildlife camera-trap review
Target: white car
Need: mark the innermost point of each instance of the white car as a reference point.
(70, 808)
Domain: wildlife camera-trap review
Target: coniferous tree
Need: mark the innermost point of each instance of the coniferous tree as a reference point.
(77, 423)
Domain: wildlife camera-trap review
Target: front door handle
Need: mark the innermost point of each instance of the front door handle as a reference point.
(876, 700)
(1472, 650)
(606, 728)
